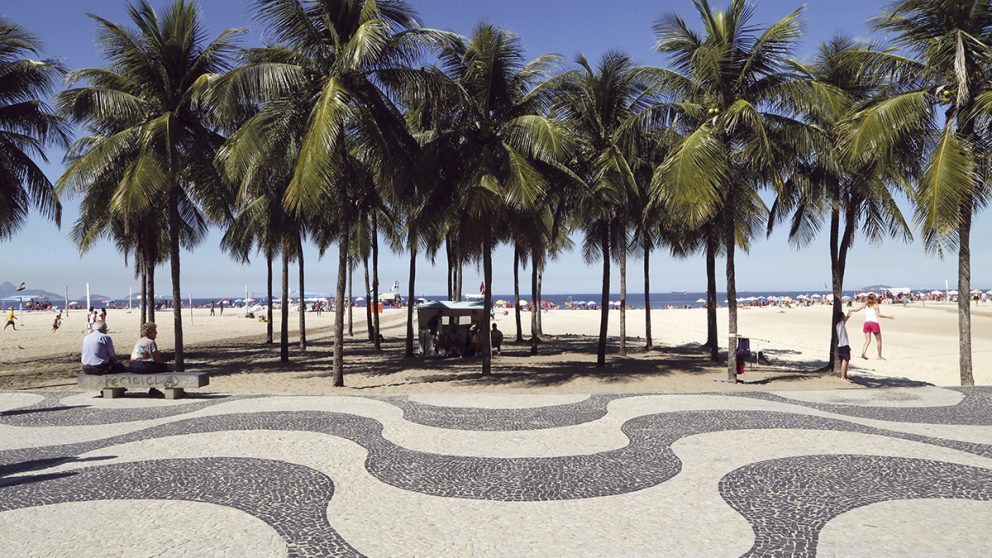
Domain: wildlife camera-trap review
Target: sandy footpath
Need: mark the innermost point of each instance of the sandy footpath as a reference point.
(920, 344)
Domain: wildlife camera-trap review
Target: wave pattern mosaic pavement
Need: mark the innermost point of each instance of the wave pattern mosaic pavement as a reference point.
(405, 476)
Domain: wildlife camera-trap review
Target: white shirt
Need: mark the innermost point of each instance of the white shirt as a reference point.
(871, 315)
(842, 334)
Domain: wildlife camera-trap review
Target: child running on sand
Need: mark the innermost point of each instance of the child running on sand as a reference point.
(57, 323)
(10, 319)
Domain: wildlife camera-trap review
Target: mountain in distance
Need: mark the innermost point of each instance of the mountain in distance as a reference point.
(876, 288)
(9, 289)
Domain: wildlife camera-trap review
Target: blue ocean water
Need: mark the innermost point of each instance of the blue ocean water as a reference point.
(658, 300)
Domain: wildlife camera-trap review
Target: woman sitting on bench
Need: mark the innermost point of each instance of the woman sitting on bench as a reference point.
(145, 358)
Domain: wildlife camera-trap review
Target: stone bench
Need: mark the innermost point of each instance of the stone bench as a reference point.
(173, 383)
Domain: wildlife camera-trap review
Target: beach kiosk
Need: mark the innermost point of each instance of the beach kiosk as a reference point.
(444, 326)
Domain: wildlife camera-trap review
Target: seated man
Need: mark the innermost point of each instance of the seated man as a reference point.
(497, 339)
(98, 354)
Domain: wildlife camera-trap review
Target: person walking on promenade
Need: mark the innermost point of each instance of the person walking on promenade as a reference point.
(872, 314)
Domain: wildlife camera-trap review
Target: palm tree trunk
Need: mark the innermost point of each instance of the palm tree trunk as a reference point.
(484, 335)
(538, 307)
(647, 296)
(351, 304)
(303, 305)
(711, 324)
(411, 290)
(535, 336)
(623, 296)
(964, 292)
(451, 266)
(516, 292)
(343, 247)
(268, 290)
(836, 288)
(177, 297)
(838, 268)
(284, 323)
(368, 301)
(604, 310)
(375, 281)
(729, 231)
(150, 276)
(144, 284)
(458, 275)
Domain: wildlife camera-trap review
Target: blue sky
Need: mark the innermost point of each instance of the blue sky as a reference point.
(42, 256)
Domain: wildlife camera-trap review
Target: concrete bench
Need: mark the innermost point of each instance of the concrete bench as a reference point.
(173, 383)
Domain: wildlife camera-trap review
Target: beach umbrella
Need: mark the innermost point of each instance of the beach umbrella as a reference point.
(952, 292)
(524, 303)
(701, 300)
(989, 292)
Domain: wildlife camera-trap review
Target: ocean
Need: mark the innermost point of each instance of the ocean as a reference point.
(658, 300)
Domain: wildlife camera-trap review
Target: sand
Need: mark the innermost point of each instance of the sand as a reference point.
(920, 346)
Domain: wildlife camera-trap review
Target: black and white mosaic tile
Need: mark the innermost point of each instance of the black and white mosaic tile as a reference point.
(788, 501)
(529, 418)
(972, 410)
(646, 461)
(52, 411)
(290, 498)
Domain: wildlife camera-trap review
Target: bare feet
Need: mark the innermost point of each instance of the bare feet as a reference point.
(864, 357)
(880, 357)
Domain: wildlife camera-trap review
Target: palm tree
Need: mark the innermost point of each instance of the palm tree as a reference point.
(938, 100)
(319, 84)
(852, 196)
(502, 135)
(609, 108)
(741, 99)
(27, 127)
(145, 130)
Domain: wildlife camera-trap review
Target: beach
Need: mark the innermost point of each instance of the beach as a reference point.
(920, 346)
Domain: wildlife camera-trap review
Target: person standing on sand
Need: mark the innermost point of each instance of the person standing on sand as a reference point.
(872, 314)
(843, 343)
(10, 319)
(221, 306)
(57, 323)
(211, 308)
